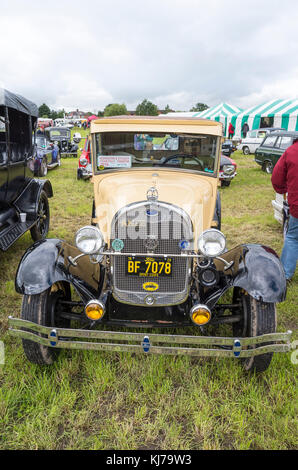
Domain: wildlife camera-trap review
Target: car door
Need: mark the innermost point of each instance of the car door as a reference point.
(265, 152)
(282, 143)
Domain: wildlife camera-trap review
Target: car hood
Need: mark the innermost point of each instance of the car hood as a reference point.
(194, 193)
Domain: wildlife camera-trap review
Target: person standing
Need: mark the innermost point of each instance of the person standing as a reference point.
(285, 180)
(245, 129)
(231, 131)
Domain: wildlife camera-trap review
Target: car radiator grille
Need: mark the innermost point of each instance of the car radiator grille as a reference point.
(167, 226)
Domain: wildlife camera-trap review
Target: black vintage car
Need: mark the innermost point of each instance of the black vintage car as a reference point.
(272, 148)
(62, 136)
(23, 199)
(228, 147)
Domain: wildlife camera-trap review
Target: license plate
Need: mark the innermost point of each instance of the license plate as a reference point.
(149, 267)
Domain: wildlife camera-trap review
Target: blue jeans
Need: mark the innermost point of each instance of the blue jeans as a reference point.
(289, 254)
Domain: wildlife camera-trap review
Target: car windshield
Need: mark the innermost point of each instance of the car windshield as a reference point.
(129, 150)
(60, 133)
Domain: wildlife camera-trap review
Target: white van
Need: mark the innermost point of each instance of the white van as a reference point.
(254, 139)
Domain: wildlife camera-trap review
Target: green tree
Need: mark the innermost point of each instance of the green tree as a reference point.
(115, 109)
(44, 111)
(199, 107)
(146, 108)
(168, 109)
(100, 114)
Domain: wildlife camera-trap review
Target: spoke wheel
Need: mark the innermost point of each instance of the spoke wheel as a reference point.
(41, 228)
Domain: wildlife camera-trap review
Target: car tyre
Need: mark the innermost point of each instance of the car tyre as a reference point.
(268, 167)
(225, 183)
(41, 228)
(246, 150)
(43, 309)
(258, 318)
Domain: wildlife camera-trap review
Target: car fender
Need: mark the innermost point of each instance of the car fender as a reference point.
(28, 200)
(261, 274)
(43, 265)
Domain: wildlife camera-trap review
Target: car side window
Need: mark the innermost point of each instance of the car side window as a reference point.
(252, 134)
(285, 142)
(261, 134)
(269, 141)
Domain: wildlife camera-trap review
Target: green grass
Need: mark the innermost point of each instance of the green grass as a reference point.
(101, 400)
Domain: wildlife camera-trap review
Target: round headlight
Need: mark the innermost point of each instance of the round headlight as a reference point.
(89, 240)
(212, 243)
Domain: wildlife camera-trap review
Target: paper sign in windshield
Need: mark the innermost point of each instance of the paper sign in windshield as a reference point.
(114, 161)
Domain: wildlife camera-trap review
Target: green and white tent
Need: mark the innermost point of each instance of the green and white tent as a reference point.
(279, 113)
(223, 113)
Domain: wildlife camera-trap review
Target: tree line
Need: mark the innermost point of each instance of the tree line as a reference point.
(145, 108)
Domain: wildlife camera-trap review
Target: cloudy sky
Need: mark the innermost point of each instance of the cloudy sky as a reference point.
(87, 54)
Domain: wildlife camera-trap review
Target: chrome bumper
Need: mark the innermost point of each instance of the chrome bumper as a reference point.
(150, 343)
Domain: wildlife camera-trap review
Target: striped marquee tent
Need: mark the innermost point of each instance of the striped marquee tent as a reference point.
(283, 113)
(220, 113)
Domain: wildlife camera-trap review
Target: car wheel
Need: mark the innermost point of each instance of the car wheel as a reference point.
(246, 150)
(41, 228)
(44, 309)
(268, 167)
(225, 183)
(257, 318)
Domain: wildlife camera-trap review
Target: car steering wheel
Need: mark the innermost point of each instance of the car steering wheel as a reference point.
(182, 155)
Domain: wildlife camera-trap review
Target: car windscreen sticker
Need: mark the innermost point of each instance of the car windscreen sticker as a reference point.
(114, 161)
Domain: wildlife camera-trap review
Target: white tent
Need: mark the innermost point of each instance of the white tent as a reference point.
(275, 113)
(223, 113)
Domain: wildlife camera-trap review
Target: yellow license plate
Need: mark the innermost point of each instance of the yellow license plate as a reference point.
(148, 267)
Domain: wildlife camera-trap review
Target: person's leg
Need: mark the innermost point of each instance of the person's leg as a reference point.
(289, 254)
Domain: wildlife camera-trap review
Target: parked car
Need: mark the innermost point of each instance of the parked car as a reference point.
(153, 256)
(228, 147)
(227, 170)
(62, 135)
(281, 211)
(84, 170)
(254, 138)
(272, 148)
(47, 156)
(23, 198)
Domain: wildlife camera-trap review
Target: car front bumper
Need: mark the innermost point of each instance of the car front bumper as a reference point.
(150, 343)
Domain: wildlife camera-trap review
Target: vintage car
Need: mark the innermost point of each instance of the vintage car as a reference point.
(84, 170)
(228, 147)
(153, 256)
(254, 138)
(272, 148)
(62, 135)
(47, 156)
(23, 198)
(227, 170)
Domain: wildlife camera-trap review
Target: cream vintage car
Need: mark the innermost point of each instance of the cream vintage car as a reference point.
(153, 256)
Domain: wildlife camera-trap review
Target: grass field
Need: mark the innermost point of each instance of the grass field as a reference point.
(101, 400)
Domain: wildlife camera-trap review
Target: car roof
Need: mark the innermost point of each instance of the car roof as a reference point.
(285, 133)
(161, 123)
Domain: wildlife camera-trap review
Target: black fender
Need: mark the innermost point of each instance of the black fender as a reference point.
(29, 197)
(43, 264)
(257, 269)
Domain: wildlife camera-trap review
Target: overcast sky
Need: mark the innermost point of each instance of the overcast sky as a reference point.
(87, 54)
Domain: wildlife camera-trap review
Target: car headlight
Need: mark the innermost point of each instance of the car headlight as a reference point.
(89, 240)
(228, 169)
(212, 243)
